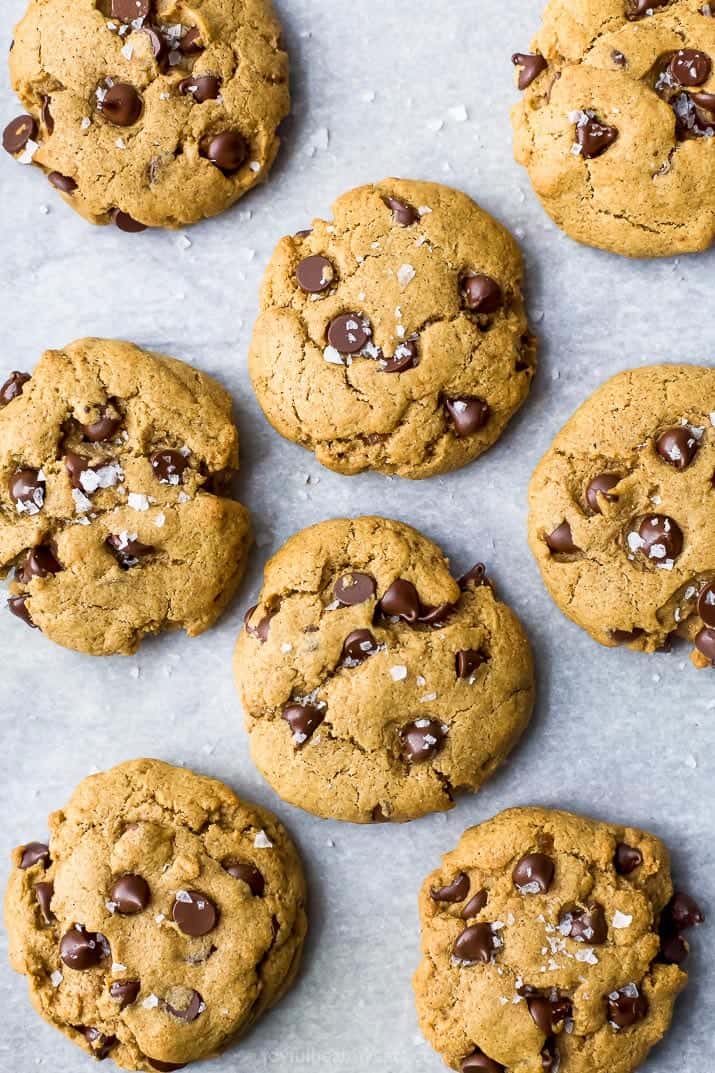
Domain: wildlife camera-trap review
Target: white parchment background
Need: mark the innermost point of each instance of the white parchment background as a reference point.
(616, 735)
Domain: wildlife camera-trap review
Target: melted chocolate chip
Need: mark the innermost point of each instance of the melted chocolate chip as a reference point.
(530, 65)
(422, 739)
(456, 891)
(18, 133)
(560, 540)
(168, 466)
(315, 274)
(17, 605)
(705, 644)
(626, 859)
(248, 873)
(353, 589)
(475, 905)
(303, 720)
(101, 1045)
(46, 115)
(81, 950)
(27, 491)
(348, 333)
(127, 223)
(35, 853)
(476, 575)
(402, 213)
(662, 538)
(475, 944)
(194, 913)
(39, 562)
(128, 10)
(674, 948)
(124, 992)
(359, 646)
(227, 150)
(405, 357)
(477, 1062)
(201, 88)
(262, 629)
(627, 1006)
(401, 601)
(127, 550)
(436, 616)
(480, 293)
(164, 1067)
(624, 637)
(194, 1008)
(43, 894)
(190, 44)
(550, 1059)
(121, 104)
(468, 414)
(65, 183)
(601, 486)
(637, 9)
(548, 1013)
(706, 604)
(690, 67)
(533, 874)
(130, 894)
(159, 47)
(13, 387)
(594, 137)
(586, 925)
(106, 426)
(677, 446)
(618, 58)
(684, 911)
(468, 661)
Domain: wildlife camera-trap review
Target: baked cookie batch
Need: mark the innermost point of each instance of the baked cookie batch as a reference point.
(164, 915)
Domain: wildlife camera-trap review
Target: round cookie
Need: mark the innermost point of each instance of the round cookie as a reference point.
(394, 337)
(622, 511)
(165, 916)
(147, 113)
(550, 943)
(375, 686)
(617, 120)
(114, 501)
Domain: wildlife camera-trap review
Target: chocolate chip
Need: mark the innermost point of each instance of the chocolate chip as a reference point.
(476, 575)
(248, 873)
(304, 233)
(359, 646)
(476, 943)
(547, 1013)
(315, 274)
(468, 414)
(533, 874)
(46, 115)
(39, 562)
(18, 133)
(475, 905)
(81, 950)
(106, 425)
(531, 65)
(101, 1045)
(168, 466)
(158, 45)
(194, 913)
(62, 182)
(601, 486)
(164, 1067)
(260, 631)
(33, 853)
(127, 550)
(422, 740)
(456, 891)
(477, 1062)
(626, 859)
(593, 136)
(626, 1006)
(690, 67)
(550, 1059)
(43, 894)
(191, 1011)
(17, 605)
(674, 949)
(348, 333)
(618, 58)
(706, 605)
(662, 538)
(636, 9)
(227, 150)
(624, 637)
(560, 540)
(128, 10)
(436, 616)
(586, 926)
(121, 104)
(304, 720)
(127, 223)
(480, 293)
(705, 101)
(402, 213)
(468, 661)
(684, 911)
(130, 894)
(190, 44)
(705, 644)
(401, 601)
(201, 87)
(406, 357)
(124, 992)
(677, 446)
(27, 491)
(76, 465)
(13, 387)
(353, 589)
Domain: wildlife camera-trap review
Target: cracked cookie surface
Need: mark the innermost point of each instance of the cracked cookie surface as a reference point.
(622, 511)
(114, 470)
(616, 127)
(394, 337)
(550, 942)
(374, 684)
(149, 112)
(163, 918)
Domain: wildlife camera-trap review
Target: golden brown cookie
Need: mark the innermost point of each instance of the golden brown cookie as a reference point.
(375, 686)
(149, 113)
(622, 511)
(163, 918)
(617, 121)
(394, 336)
(114, 500)
(551, 943)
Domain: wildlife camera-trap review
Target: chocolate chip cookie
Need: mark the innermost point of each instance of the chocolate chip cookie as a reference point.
(115, 510)
(148, 113)
(622, 511)
(616, 127)
(394, 337)
(164, 916)
(551, 942)
(375, 685)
